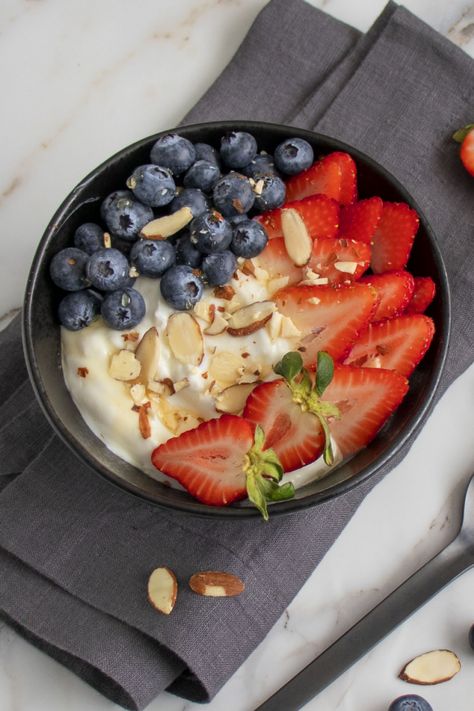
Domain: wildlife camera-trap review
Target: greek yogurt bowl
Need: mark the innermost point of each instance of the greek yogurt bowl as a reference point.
(103, 432)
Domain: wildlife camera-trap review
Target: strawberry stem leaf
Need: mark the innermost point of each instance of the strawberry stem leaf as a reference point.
(289, 366)
(263, 474)
(324, 372)
(461, 133)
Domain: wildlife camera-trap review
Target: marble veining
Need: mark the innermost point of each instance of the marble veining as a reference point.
(79, 82)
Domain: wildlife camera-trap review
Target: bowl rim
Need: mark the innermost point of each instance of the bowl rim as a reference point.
(194, 507)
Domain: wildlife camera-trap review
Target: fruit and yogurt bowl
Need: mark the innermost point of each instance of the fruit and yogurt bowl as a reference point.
(241, 306)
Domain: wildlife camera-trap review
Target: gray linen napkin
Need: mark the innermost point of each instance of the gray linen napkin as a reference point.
(75, 552)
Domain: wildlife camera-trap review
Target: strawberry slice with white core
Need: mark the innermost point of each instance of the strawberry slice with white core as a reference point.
(319, 213)
(340, 261)
(295, 436)
(397, 344)
(394, 292)
(275, 261)
(423, 294)
(334, 175)
(329, 319)
(365, 398)
(393, 238)
(360, 220)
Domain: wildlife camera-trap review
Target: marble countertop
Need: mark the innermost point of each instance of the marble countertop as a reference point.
(81, 80)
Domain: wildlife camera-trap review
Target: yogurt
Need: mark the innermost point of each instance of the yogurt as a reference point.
(106, 404)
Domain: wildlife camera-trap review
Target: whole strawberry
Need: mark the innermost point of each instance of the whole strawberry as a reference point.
(465, 136)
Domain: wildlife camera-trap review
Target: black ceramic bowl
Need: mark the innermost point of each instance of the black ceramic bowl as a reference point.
(42, 333)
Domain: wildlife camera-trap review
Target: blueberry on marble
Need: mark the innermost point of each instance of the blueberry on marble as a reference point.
(262, 164)
(192, 198)
(124, 215)
(181, 288)
(206, 152)
(238, 148)
(174, 152)
(203, 175)
(249, 239)
(186, 252)
(233, 194)
(153, 185)
(270, 192)
(219, 267)
(123, 309)
(77, 310)
(108, 269)
(89, 237)
(68, 269)
(293, 155)
(152, 257)
(410, 702)
(210, 232)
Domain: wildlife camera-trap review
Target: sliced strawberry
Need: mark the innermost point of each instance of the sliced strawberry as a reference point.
(208, 460)
(393, 238)
(467, 152)
(275, 260)
(394, 292)
(341, 261)
(366, 397)
(294, 435)
(329, 319)
(319, 213)
(397, 344)
(333, 175)
(423, 295)
(360, 220)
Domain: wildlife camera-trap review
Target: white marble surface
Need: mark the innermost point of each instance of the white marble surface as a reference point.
(82, 79)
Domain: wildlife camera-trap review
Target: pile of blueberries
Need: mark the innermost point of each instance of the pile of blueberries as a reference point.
(223, 189)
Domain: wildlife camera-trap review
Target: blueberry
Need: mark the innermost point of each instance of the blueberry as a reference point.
(410, 702)
(262, 164)
(206, 152)
(181, 288)
(238, 148)
(210, 232)
(123, 309)
(219, 267)
(186, 252)
(108, 269)
(293, 155)
(233, 195)
(202, 174)
(237, 219)
(152, 185)
(89, 237)
(192, 198)
(78, 310)
(270, 192)
(68, 269)
(110, 199)
(249, 239)
(152, 257)
(124, 215)
(173, 152)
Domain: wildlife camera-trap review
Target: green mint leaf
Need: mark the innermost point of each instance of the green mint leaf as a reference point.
(282, 492)
(259, 438)
(461, 133)
(257, 495)
(324, 372)
(289, 366)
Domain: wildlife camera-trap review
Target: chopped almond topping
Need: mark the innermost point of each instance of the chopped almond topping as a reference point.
(143, 420)
(224, 292)
(83, 372)
(131, 336)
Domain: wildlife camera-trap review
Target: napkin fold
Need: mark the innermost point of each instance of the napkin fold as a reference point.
(76, 552)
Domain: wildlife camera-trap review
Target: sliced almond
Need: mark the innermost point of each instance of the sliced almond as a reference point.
(431, 668)
(202, 310)
(225, 368)
(162, 590)
(124, 366)
(181, 384)
(168, 225)
(288, 328)
(298, 242)
(260, 274)
(138, 393)
(273, 326)
(218, 325)
(178, 420)
(164, 388)
(346, 267)
(232, 400)
(144, 421)
(187, 421)
(249, 319)
(148, 353)
(212, 583)
(107, 240)
(226, 292)
(278, 283)
(185, 338)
